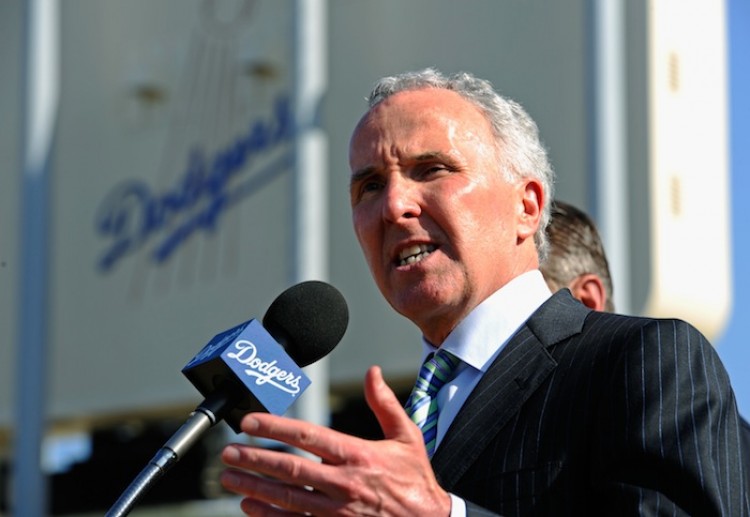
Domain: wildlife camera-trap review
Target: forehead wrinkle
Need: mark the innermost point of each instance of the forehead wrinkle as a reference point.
(379, 157)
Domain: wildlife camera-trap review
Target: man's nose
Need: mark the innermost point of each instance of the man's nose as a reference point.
(401, 200)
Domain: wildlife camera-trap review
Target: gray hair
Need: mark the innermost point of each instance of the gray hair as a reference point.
(522, 152)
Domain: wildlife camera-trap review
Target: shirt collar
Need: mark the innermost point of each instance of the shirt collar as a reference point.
(480, 335)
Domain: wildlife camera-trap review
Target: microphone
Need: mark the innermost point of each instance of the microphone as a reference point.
(258, 368)
(251, 367)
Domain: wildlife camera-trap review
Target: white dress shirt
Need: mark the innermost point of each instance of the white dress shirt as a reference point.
(477, 341)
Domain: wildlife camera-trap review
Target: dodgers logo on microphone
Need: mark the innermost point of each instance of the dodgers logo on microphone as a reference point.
(264, 371)
(270, 376)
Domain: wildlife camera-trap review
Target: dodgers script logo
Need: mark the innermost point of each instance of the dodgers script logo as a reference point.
(265, 372)
(133, 213)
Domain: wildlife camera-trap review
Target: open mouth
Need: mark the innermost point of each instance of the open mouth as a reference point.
(414, 254)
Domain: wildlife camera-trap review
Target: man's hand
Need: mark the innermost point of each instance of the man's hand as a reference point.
(356, 477)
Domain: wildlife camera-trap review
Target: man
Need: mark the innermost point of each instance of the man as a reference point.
(554, 408)
(576, 258)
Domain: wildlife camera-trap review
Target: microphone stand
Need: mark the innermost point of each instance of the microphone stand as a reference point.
(207, 414)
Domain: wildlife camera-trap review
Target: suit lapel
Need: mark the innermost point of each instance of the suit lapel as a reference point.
(513, 377)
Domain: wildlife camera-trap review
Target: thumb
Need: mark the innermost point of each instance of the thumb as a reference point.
(393, 420)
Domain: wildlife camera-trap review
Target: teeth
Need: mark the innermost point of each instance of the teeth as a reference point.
(415, 253)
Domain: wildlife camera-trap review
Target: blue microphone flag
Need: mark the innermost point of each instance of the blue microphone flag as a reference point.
(259, 368)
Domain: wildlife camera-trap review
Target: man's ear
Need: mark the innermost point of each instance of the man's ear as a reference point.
(590, 290)
(532, 200)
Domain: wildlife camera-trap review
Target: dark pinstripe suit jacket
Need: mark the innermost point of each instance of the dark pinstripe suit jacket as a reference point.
(589, 413)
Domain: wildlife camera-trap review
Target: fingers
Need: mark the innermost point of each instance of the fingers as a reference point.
(348, 462)
(393, 420)
(266, 496)
(282, 466)
(331, 446)
(357, 477)
(258, 509)
(295, 484)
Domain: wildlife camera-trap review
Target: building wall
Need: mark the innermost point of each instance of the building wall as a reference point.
(146, 84)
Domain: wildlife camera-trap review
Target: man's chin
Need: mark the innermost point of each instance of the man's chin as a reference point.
(417, 303)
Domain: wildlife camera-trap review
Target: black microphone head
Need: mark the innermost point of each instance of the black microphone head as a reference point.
(308, 319)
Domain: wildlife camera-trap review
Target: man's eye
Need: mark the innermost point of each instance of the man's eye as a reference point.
(430, 170)
(367, 189)
(371, 186)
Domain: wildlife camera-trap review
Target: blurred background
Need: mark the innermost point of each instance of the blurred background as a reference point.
(168, 167)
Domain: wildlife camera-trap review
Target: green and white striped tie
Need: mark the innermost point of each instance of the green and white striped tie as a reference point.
(421, 406)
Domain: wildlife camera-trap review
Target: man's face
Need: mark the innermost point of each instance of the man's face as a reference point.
(439, 226)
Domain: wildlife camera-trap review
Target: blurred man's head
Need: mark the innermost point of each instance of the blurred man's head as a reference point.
(576, 258)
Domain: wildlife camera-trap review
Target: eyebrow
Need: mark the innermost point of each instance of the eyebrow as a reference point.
(431, 155)
(360, 174)
(424, 157)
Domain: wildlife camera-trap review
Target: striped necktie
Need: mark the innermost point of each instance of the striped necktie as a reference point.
(421, 406)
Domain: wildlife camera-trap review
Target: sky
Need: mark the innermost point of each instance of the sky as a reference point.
(734, 345)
